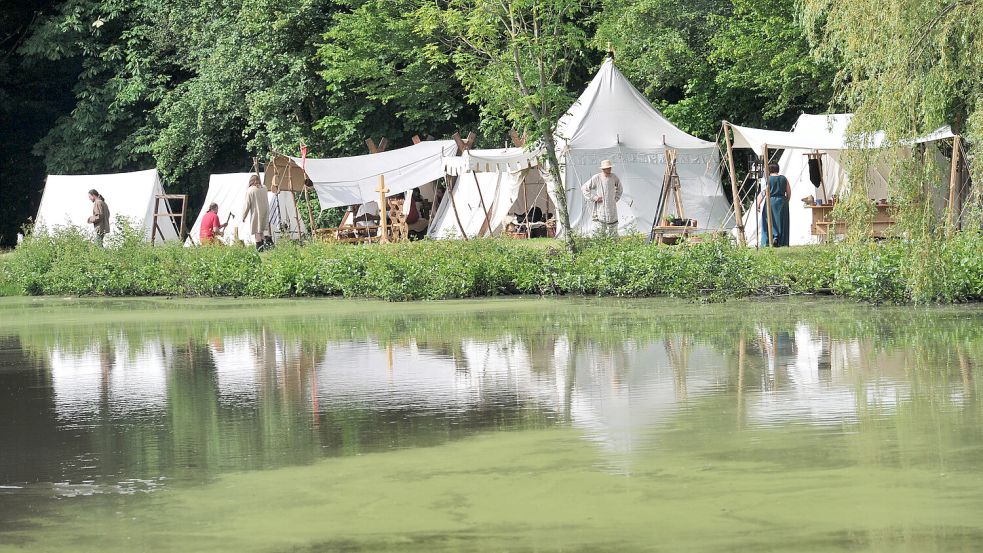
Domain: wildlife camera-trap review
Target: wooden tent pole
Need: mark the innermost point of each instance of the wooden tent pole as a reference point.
(738, 208)
(954, 181)
(677, 193)
(484, 208)
(450, 191)
(757, 215)
(153, 233)
(451, 182)
(765, 182)
(525, 205)
(383, 211)
(307, 198)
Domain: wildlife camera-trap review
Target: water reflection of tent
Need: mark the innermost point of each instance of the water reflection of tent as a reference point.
(367, 373)
(622, 391)
(808, 391)
(410, 376)
(109, 374)
(506, 366)
(249, 362)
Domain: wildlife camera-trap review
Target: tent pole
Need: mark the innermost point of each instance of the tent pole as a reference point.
(764, 181)
(676, 188)
(484, 208)
(738, 208)
(544, 190)
(153, 233)
(525, 205)
(450, 191)
(307, 198)
(757, 213)
(954, 179)
(383, 209)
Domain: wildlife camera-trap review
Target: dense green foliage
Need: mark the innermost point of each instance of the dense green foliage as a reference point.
(701, 62)
(70, 264)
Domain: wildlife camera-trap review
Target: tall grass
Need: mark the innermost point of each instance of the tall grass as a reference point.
(68, 263)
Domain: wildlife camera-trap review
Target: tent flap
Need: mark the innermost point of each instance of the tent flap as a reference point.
(505, 159)
(355, 180)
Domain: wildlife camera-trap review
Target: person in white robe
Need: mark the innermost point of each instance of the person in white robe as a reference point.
(602, 193)
(257, 204)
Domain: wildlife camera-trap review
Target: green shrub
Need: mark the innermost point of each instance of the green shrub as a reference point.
(713, 269)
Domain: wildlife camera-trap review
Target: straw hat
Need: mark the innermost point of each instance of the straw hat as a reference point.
(606, 164)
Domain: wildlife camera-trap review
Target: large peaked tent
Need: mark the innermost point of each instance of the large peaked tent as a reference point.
(131, 196)
(825, 134)
(229, 192)
(492, 186)
(612, 120)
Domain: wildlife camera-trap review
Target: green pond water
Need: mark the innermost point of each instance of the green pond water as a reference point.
(520, 425)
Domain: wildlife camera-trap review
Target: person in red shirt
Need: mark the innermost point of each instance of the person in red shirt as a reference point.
(210, 227)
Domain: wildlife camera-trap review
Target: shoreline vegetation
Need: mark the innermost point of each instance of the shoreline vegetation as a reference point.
(893, 271)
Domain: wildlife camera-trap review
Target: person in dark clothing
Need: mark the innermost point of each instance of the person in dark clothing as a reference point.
(100, 216)
(777, 194)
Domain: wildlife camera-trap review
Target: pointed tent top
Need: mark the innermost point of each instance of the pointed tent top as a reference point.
(611, 113)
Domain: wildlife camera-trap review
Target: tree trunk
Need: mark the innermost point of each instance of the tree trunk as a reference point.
(559, 190)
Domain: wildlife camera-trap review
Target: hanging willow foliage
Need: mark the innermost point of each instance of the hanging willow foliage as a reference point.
(907, 67)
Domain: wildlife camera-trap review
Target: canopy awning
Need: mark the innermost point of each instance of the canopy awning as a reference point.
(820, 132)
(494, 160)
(355, 180)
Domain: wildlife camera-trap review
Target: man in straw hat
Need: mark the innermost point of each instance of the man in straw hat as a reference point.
(602, 192)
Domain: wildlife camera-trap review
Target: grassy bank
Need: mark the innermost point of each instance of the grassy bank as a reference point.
(886, 272)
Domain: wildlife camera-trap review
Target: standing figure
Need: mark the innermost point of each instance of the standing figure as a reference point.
(778, 193)
(99, 217)
(210, 227)
(602, 192)
(258, 205)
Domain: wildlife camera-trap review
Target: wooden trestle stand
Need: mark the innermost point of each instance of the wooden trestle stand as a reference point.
(669, 234)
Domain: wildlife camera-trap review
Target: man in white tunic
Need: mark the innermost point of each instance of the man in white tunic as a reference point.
(257, 204)
(602, 192)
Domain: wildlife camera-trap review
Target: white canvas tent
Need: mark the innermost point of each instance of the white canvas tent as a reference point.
(355, 180)
(492, 187)
(612, 120)
(229, 192)
(826, 134)
(65, 202)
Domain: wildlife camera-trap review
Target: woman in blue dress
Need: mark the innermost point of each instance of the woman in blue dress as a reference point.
(778, 192)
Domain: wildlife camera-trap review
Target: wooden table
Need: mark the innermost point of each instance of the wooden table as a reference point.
(824, 227)
(669, 234)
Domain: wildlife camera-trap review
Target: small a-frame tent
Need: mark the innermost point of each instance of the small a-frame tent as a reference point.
(492, 188)
(354, 180)
(229, 192)
(825, 135)
(612, 120)
(132, 196)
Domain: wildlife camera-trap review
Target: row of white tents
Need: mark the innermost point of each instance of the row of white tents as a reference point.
(610, 120)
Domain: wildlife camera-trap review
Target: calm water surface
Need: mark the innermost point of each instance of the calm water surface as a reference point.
(505, 425)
